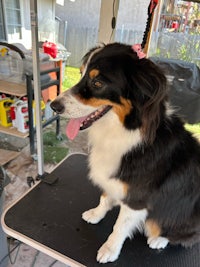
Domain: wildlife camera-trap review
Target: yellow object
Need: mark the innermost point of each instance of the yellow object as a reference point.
(4, 51)
(42, 111)
(5, 112)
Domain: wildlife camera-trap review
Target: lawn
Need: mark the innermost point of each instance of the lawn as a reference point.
(72, 76)
(194, 128)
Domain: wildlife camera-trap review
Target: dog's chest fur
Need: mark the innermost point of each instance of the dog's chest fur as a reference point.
(109, 141)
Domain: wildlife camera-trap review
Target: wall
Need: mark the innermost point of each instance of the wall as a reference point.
(46, 22)
(82, 18)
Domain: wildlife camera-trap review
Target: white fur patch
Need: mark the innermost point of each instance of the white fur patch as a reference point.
(158, 242)
(127, 222)
(89, 59)
(109, 141)
(73, 107)
(97, 214)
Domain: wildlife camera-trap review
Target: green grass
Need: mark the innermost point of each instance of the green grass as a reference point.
(53, 150)
(194, 129)
(54, 155)
(71, 77)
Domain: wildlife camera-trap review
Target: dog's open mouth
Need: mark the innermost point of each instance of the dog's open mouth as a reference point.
(77, 124)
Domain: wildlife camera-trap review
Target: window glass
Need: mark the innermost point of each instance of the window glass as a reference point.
(12, 4)
(13, 19)
(2, 32)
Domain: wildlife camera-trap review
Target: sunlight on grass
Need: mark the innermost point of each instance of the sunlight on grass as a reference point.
(72, 76)
(194, 129)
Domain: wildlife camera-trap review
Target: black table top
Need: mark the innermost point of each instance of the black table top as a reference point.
(49, 218)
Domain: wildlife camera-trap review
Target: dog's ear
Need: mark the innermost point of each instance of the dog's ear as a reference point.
(151, 86)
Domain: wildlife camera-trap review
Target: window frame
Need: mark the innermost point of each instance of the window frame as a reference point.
(5, 24)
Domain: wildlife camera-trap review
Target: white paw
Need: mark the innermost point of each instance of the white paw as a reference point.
(91, 216)
(157, 242)
(107, 253)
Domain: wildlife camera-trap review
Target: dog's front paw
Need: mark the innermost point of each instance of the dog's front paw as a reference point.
(157, 242)
(108, 253)
(92, 216)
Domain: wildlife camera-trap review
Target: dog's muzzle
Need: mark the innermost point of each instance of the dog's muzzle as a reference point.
(81, 116)
(57, 106)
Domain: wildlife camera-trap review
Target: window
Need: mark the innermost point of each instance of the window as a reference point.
(2, 29)
(13, 18)
(10, 10)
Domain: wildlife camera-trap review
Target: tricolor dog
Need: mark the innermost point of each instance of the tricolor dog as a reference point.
(141, 156)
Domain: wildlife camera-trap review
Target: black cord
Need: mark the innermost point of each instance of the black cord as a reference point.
(148, 26)
(113, 20)
(151, 9)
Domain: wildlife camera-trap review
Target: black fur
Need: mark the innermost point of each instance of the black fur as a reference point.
(123, 74)
(164, 177)
(163, 172)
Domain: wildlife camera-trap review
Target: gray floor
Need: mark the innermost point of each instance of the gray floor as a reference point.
(26, 256)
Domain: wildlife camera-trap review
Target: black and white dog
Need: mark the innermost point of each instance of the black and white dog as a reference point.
(141, 156)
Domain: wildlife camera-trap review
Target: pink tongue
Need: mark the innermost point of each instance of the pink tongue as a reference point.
(73, 127)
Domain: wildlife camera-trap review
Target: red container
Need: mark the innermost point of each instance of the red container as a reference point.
(50, 49)
(175, 25)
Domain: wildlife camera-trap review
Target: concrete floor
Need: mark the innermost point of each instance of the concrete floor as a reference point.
(29, 257)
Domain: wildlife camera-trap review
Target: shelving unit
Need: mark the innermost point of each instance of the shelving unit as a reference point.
(13, 88)
(30, 95)
(7, 155)
(13, 131)
(26, 89)
(21, 90)
(18, 90)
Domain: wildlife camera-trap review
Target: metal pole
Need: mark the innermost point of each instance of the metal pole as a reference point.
(36, 84)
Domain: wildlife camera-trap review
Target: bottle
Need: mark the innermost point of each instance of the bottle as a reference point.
(22, 117)
(5, 105)
(13, 115)
(48, 110)
(13, 111)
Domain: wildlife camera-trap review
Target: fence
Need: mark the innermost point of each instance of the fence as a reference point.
(176, 45)
(164, 44)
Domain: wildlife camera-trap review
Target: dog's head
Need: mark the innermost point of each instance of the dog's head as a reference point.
(115, 80)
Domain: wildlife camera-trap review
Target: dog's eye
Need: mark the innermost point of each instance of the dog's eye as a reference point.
(97, 84)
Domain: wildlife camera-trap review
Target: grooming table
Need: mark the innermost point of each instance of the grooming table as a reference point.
(48, 218)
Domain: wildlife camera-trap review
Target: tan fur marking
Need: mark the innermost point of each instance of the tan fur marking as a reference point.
(93, 73)
(121, 110)
(153, 229)
(104, 194)
(126, 188)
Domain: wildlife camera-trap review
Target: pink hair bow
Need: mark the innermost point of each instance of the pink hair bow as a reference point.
(138, 49)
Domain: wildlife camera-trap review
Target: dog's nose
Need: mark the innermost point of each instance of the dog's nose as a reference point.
(57, 106)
